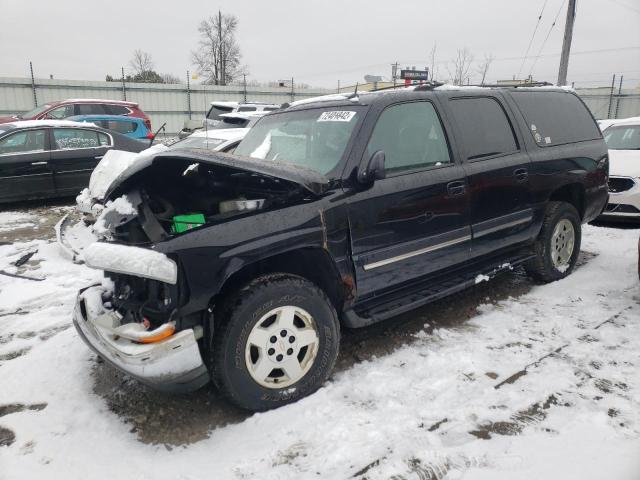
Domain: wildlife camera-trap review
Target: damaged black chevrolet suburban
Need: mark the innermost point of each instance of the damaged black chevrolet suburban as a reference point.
(339, 211)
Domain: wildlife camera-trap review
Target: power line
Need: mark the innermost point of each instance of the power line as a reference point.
(531, 39)
(535, 60)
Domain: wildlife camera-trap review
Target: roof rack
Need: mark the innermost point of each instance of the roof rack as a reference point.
(521, 85)
(430, 85)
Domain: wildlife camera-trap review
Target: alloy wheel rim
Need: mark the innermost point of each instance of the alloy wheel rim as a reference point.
(562, 244)
(281, 347)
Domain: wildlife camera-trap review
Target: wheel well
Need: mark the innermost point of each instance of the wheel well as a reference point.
(573, 194)
(314, 264)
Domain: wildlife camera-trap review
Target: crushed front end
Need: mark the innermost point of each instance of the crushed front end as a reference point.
(131, 319)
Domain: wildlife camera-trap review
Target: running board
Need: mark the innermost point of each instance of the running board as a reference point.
(397, 303)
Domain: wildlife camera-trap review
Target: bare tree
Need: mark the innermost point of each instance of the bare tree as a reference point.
(141, 62)
(432, 55)
(483, 67)
(461, 67)
(217, 57)
(170, 78)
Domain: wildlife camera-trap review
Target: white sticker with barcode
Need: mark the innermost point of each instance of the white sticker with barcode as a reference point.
(337, 116)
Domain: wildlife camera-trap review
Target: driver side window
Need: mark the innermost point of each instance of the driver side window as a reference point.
(411, 136)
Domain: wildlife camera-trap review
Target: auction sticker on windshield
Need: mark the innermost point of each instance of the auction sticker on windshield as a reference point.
(336, 116)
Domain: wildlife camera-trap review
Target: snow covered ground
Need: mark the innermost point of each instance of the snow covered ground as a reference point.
(541, 385)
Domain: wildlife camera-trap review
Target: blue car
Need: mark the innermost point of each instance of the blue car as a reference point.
(132, 127)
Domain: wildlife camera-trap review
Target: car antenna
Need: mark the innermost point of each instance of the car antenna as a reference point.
(355, 93)
(157, 132)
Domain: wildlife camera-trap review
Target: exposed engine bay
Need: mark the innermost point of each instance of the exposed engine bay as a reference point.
(162, 195)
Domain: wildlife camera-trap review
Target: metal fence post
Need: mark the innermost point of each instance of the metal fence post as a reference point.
(618, 97)
(124, 88)
(293, 95)
(33, 85)
(613, 83)
(188, 95)
(244, 78)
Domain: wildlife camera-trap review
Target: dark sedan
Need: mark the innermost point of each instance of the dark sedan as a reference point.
(46, 158)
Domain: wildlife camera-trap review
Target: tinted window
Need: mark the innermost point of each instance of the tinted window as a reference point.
(271, 109)
(623, 138)
(484, 127)
(411, 136)
(27, 141)
(121, 127)
(91, 109)
(214, 111)
(103, 139)
(247, 109)
(61, 112)
(69, 138)
(555, 118)
(117, 109)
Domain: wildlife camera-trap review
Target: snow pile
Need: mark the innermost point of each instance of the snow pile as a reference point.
(121, 206)
(14, 220)
(113, 164)
(542, 386)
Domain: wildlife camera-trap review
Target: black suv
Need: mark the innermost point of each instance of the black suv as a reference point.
(336, 211)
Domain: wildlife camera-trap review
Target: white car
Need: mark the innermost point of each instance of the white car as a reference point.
(607, 122)
(218, 109)
(623, 140)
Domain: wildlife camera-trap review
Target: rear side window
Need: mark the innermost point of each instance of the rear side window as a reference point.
(485, 128)
(247, 109)
(90, 109)
(555, 118)
(215, 111)
(411, 137)
(71, 138)
(121, 127)
(117, 109)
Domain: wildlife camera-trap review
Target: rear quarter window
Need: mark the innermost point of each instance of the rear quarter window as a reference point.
(556, 118)
(117, 109)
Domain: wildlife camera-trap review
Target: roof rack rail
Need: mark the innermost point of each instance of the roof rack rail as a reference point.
(521, 85)
(430, 85)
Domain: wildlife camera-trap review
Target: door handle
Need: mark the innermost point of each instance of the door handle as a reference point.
(456, 188)
(521, 174)
(39, 163)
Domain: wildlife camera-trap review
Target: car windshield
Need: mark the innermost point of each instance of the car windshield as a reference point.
(197, 142)
(314, 138)
(215, 111)
(621, 137)
(36, 111)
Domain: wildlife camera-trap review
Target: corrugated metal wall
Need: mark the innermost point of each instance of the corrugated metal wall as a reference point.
(170, 103)
(163, 103)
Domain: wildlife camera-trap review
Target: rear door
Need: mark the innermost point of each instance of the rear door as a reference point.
(74, 154)
(413, 222)
(497, 169)
(24, 166)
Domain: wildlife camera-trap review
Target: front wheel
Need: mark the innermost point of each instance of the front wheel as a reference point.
(558, 245)
(276, 341)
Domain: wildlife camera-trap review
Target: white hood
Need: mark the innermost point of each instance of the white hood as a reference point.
(624, 163)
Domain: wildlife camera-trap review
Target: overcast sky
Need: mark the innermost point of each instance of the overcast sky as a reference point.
(321, 41)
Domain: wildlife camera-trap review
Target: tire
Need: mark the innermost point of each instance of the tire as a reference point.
(243, 346)
(551, 264)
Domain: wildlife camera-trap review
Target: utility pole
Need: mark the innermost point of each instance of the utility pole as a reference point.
(394, 72)
(566, 43)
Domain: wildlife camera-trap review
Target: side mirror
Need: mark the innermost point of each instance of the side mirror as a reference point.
(374, 170)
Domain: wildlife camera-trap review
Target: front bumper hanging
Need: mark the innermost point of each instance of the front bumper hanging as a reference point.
(173, 364)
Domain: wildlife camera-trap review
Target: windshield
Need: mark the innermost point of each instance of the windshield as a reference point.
(314, 138)
(36, 111)
(620, 137)
(197, 142)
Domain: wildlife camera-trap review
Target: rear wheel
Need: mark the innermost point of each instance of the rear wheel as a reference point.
(277, 341)
(558, 244)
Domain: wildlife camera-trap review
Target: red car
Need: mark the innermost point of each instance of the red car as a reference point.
(81, 106)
